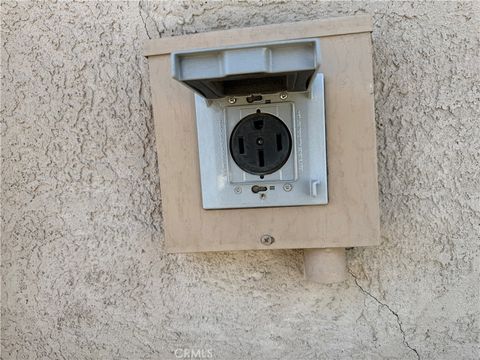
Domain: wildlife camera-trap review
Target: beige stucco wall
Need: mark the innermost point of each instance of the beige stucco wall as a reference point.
(84, 272)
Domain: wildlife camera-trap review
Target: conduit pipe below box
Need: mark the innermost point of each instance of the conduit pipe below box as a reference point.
(325, 266)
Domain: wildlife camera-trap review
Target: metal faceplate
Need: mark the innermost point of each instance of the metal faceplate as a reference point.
(302, 180)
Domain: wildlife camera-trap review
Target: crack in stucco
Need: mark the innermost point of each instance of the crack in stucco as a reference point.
(397, 318)
(140, 12)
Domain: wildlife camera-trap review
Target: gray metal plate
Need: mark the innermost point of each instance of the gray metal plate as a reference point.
(301, 181)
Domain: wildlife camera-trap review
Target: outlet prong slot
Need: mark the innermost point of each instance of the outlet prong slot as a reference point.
(261, 158)
(241, 145)
(279, 142)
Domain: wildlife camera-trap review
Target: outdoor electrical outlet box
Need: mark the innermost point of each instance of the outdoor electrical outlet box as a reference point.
(266, 137)
(260, 119)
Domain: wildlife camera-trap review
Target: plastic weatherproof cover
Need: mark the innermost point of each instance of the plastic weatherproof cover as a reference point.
(234, 71)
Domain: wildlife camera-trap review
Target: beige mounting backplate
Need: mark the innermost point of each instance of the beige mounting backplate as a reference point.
(351, 217)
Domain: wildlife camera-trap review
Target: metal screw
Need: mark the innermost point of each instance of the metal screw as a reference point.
(287, 187)
(267, 239)
(283, 96)
(237, 189)
(232, 100)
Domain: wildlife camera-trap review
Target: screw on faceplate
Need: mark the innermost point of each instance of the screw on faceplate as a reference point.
(267, 239)
(283, 96)
(232, 100)
(287, 187)
(237, 189)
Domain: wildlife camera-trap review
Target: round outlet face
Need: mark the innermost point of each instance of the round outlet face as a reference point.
(260, 143)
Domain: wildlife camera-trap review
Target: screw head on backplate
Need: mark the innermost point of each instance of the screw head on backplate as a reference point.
(267, 239)
(287, 187)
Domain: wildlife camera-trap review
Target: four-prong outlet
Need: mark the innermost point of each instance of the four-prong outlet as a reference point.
(269, 152)
(260, 143)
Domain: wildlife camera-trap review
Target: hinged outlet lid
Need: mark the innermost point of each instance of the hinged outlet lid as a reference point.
(235, 70)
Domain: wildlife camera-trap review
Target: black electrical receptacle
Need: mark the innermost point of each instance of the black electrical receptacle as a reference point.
(260, 143)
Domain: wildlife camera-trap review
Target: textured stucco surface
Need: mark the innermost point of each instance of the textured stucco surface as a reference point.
(84, 272)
